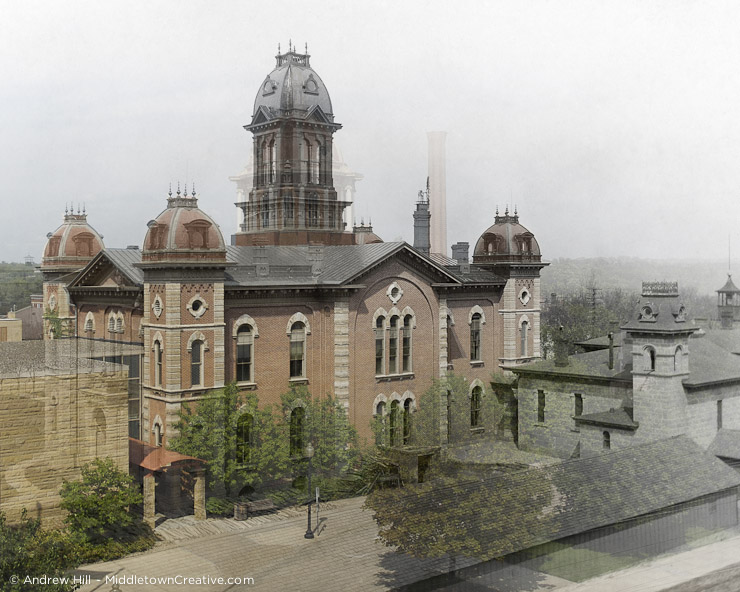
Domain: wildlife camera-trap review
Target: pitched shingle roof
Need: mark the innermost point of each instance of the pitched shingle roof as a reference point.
(534, 506)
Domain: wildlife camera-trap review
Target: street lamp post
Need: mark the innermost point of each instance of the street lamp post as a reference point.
(309, 454)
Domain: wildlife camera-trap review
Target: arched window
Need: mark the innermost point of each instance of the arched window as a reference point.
(119, 323)
(393, 421)
(677, 359)
(89, 322)
(380, 418)
(196, 363)
(380, 346)
(475, 404)
(244, 431)
(393, 346)
(297, 349)
(523, 336)
(406, 421)
(265, 212)
(272, 161)
(111, 323)
(475, 337)
(297, 424)
(649, 354)
(244, 342)
(406, 344)
(157, 434)
(607, 440)
(157, 363)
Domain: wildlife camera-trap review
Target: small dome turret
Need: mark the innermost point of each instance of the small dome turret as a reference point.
(506, 241)
(73, 244)
(183, 232)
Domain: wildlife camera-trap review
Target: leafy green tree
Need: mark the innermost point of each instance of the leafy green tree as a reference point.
(245, 444)
(27, 550)
(58, 327)
(451, 514)
(326, 426)
(98, 506)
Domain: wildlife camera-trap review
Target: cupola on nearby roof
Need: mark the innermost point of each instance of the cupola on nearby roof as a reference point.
(506, 241)
(292, 86)
(660, 310)
(183, 232)
(73, 244)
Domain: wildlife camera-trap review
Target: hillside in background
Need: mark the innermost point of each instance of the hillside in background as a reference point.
(572, 276)
(17, 282)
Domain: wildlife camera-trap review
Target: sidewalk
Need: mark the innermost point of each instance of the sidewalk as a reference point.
(667, 572)
(346, 555)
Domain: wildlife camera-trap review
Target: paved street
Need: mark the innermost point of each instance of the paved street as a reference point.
(345, 555)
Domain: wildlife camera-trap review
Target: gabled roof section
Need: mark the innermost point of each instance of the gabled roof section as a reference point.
(262, 115)
(105, 265)
(316, 113)
(328, 266)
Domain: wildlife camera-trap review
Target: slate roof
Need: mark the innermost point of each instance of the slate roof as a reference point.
(601, 342)
(726, 444)
(710, 363)
(593, 364)
(614, 418)
(124, 259)
(292, 265)
(576, 496)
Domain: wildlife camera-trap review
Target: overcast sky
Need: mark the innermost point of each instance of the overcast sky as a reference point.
(614, 126)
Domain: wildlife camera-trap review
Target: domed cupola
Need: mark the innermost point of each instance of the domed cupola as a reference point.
(293, 200)
(506, 242)
(71, 246)
(183, 233)
(292, 88)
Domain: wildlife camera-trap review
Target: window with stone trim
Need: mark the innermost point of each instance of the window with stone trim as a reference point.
(523, 330)
(297, 350)
(577, 404)
(244, 346)
(380, 418)
(475, 353)
(89, 323)
(393, 346)
(111, 323)
(157, 363)
(606, 440)
(406, 344)
(380, 346)
(297, 425)
(475, 407)
(719, 414)
(157, 434)
(196, 363)
(541, 406)
(244, 437)
(393, 422)
(407, 421)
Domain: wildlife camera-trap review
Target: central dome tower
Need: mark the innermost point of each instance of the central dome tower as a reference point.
(293, 200)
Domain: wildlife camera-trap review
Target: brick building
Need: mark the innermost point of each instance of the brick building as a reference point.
(297, 299)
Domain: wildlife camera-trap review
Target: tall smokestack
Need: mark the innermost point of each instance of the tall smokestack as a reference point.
(438, 191)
